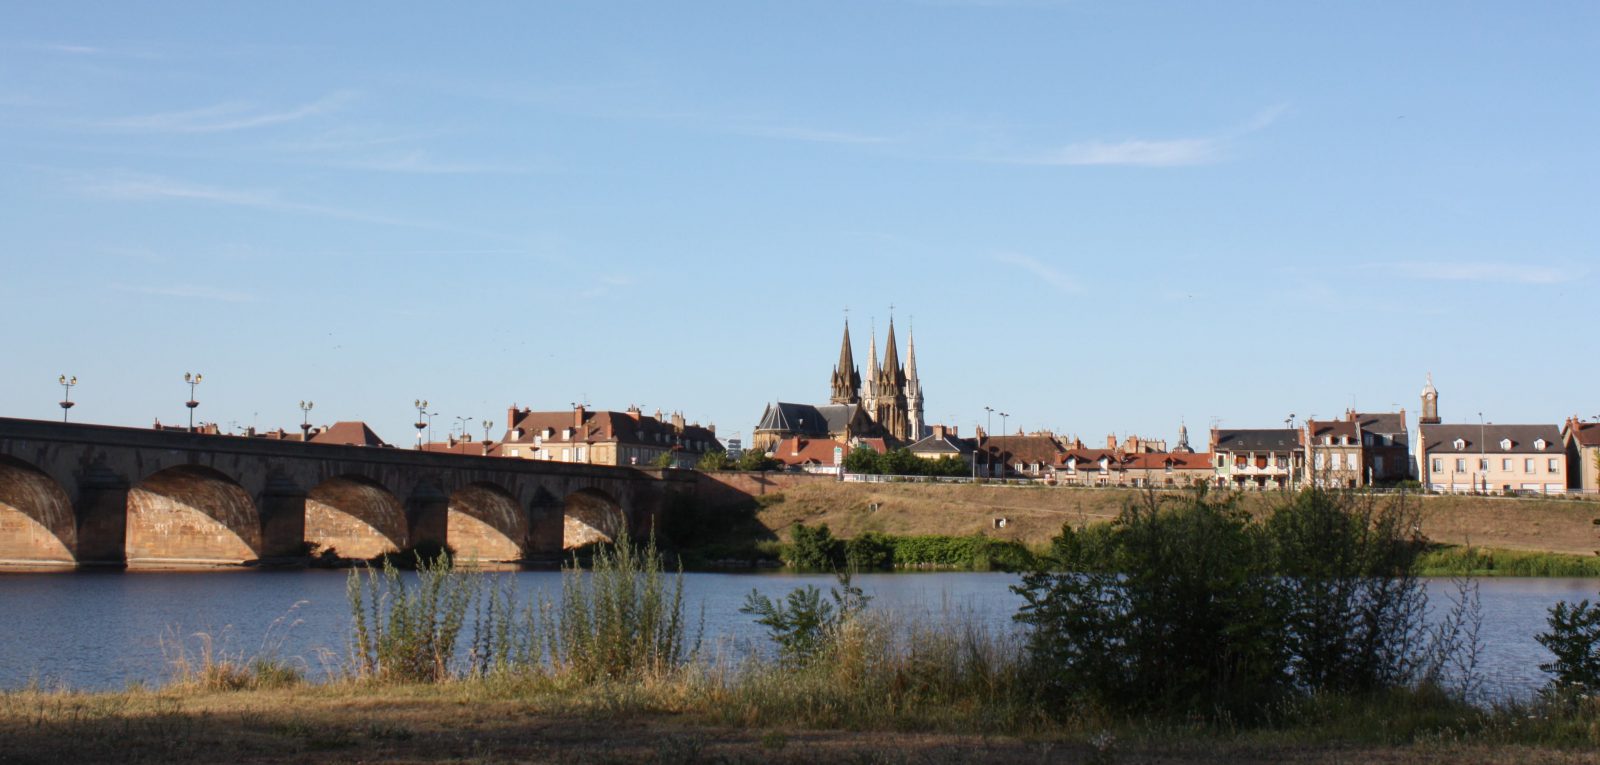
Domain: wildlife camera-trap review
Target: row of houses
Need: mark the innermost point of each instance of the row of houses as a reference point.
(1355, 450)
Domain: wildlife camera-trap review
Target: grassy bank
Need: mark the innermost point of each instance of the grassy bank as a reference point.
(1482, 561)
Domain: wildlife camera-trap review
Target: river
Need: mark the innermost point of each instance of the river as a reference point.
(99, 631)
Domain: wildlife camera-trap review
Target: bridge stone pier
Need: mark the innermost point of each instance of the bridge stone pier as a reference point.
(87, 495)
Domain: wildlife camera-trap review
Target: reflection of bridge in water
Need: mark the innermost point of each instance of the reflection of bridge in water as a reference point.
(88, 494)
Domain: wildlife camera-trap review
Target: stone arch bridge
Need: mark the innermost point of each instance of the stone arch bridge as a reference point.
(74, 495)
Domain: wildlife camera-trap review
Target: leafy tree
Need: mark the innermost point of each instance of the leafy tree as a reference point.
(1574, 638)
(664, 460)
(868, 551)
(714, 460)
(813, 549)
(901, 462)
(757, 460)
(862, 459)
(802, 623)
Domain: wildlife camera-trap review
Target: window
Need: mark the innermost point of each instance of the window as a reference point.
(1483, 464)
(583, 454)
(1318, 460)
(1461, 466)
(1505, 444)
(1505, 464)
(566, 454)
(1539, 444)
(1338, 461)
(514, 452)
(1527, 465)
(1460, 444)
(1555, 465)
(1438, 466)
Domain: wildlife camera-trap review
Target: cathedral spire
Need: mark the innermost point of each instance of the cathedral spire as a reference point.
(869, 396)
(914, 417)
(893, 374)
(846, 378)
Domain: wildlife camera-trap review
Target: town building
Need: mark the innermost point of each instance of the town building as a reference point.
(1487, 458)
(886, 402)
(811, 455)
(1258, 458)
(1334, 455)
(944, 441)
(1582, 443)
(601, 437)
(1020, 456)
(1385, 446)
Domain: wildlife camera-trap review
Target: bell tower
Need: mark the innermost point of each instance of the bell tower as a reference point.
(1430, 404)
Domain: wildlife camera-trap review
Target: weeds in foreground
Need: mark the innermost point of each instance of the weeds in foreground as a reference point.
(208, 662)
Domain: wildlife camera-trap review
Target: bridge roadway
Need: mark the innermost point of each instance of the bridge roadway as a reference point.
(83, 495)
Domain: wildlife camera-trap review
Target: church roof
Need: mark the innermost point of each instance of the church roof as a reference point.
(351, 433)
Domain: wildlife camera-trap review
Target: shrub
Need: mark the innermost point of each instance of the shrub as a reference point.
(802, 623)
(813, 549)
(1574, 639)
(622, 619)
(715, 459)
(868, 551)
(408, 632)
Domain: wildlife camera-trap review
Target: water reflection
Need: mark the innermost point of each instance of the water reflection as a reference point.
(106, 630)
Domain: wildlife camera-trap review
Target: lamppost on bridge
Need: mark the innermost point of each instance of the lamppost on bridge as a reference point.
(463, 422)
(305, 420)
(486, 425)
(192, 379)
(422, 418)
(66, 394)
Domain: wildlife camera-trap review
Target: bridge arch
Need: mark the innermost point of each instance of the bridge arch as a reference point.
(37, 525)
(355, 517)
(191, 515)
(485, 523)
(590, 516)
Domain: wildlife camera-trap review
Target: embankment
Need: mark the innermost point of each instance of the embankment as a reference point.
(1034, 514)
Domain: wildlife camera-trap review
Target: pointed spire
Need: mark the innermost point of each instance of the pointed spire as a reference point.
(893, 373)
(846, 380)
(911, 354)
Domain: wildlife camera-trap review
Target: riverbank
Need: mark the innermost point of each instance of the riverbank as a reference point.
(1032, 515)
(484, 721)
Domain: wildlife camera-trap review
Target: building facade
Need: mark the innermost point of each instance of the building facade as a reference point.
(1582, 443)
(604, 437)
(1258, 459)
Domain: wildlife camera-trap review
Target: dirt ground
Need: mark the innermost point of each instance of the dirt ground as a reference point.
(313, 725)
(1034, 514)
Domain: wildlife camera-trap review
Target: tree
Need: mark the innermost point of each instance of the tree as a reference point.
(714, 460)
(1574, 639)
(757, 460)
(803, 624)
(664, 461)
(862, 459)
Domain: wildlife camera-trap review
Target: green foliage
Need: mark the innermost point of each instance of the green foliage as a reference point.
(622, 619)
(758, 461)
(1186, 605)
(862, 459)
(664, 460)
(869, 551)
(813, 549)
(1352, 606)
(715, 459)
(1574, 639)
(802, 623)
(407, 632)
(1480, 561)
(973, 553)
(865, 459)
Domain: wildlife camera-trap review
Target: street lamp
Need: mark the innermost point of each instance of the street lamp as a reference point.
(989, 423)
(66, 394)
(422, 422)
(486, 425)
(192, 379)
(305, 420)
(1003, 417)
(463, 422)
(1483, 460)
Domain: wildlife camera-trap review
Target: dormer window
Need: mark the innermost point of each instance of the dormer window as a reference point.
(1460, 444)
(1539, 444)
(1505, 444)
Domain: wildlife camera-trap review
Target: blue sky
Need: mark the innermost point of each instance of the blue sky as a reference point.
(1102, 217)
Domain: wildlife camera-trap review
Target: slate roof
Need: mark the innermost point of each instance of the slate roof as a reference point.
(1263, 440)
(1333, 429)
(1387, 423)
(1010, 450)
(940, 445)
(1440, 439)
(804, 419)
(355, 433)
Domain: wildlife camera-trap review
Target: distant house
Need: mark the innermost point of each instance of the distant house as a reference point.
(600, 437)
(1334, 454)
(1582, 443)
(348, 433)
(943, 442)
(811, 455)
(1020, 456)
(1257, 458)
(1385, 446)
(1490, 458)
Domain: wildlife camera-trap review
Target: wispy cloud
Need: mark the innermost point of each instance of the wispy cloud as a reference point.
(157, 188)
(794, 133)
(190, 292)
(1497, 273)
(1039, 269)
(420, 163)
(1142, 152)
(228, 116)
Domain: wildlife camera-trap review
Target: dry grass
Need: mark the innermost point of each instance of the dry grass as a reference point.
(1035, 514)
(482, 721)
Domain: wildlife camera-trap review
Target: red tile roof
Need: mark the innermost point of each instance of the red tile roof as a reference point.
(355, 433)
(629, 427)
(1587, 433)
(807, 451)
(1029, 450)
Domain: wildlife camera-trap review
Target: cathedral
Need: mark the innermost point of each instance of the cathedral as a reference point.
(886, 404)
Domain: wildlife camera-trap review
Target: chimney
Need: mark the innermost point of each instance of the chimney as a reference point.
(577, 417)
(633, 411)
(938, 431)
(677, 421)
(511, 417)
(1111, 442)
(1350, 415)
(795, 452)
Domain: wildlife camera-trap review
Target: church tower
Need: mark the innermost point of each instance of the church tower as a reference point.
(1430, 404)
(1183, 439)
(846, 378)
(915, 420)
(869, 396)
(891, 392)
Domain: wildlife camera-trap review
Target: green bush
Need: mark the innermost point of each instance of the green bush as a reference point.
(869, 551)
(803, 623)
(408, 633)
(813, 549)
(1574, 639)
